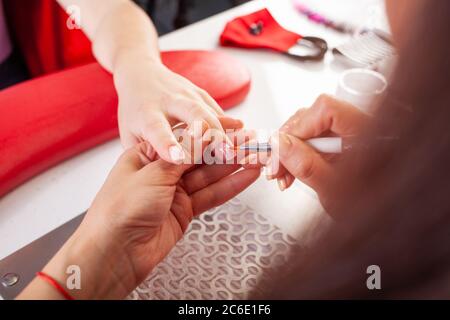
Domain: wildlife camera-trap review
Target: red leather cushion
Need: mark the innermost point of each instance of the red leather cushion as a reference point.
(225, 78)
(49, 119)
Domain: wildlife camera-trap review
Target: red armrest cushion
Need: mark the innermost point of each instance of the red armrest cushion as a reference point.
(52, 118)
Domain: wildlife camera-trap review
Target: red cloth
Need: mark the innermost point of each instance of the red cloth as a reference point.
(38, 28)
(272, 36)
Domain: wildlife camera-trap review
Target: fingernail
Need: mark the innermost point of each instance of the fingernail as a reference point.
(176, 154)
(282, 184)
(268, 170)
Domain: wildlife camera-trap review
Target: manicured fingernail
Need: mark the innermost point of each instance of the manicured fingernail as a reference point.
(239, 123)
(269, 169)
(176, 154)
(282, 184)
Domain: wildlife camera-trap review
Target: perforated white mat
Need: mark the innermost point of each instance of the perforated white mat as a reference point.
(224, 255)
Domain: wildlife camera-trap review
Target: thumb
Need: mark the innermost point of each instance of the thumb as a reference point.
(133, 159)
(159, 134)
(191, 153)
(302, 161)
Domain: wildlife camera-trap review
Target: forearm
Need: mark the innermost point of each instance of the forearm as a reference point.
(119, 30)
(105, 272)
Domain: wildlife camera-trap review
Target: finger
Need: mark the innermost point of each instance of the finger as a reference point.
(159, 133)
(211, 102)
(275, 171)
(194, 142)
(242, 137)
(223, 190)
(128, 139)
(190, 111)
(290, 179)
(192, 153)
(230, 123)
(194, 111)
(251, 162)
(303, 162)
(224, 151)
(133, 159)
(255, 160)
(285, 181)
(326, 115)
(206, 175)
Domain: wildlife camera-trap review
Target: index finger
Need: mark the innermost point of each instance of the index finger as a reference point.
(327, 114)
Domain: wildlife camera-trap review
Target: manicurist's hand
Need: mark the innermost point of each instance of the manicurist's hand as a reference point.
(297, 160)
(143, 209)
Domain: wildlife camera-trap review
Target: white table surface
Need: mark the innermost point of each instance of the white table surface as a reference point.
(280, 86)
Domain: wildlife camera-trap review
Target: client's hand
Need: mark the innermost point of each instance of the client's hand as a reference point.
(326, 117)
(138, 216)
(152, 99)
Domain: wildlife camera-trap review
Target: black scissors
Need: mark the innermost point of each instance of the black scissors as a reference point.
(306, 48)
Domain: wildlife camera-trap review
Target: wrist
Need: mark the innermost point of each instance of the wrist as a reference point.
(126, 57)
(91, 266)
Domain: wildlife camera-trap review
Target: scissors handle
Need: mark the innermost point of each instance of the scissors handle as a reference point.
(315, 49)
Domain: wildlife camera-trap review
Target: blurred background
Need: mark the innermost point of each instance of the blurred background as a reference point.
(169, 15)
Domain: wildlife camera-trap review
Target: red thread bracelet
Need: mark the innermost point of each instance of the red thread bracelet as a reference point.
(55, 284)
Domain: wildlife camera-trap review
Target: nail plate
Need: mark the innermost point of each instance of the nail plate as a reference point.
(282, 184)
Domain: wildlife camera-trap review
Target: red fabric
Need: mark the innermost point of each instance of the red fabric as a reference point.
(38, 27)
(222, 76)
(52, 118)
(273, 36)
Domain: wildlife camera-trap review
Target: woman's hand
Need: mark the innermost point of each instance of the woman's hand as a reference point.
(143, 209)
(327, 116)
(152, 99)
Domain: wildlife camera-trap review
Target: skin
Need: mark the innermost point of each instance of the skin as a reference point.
(142, 210)
(401, 15)
(326, 116)
(147, 203)
(152, 98)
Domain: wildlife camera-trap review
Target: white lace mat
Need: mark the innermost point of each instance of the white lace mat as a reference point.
(222, 256)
